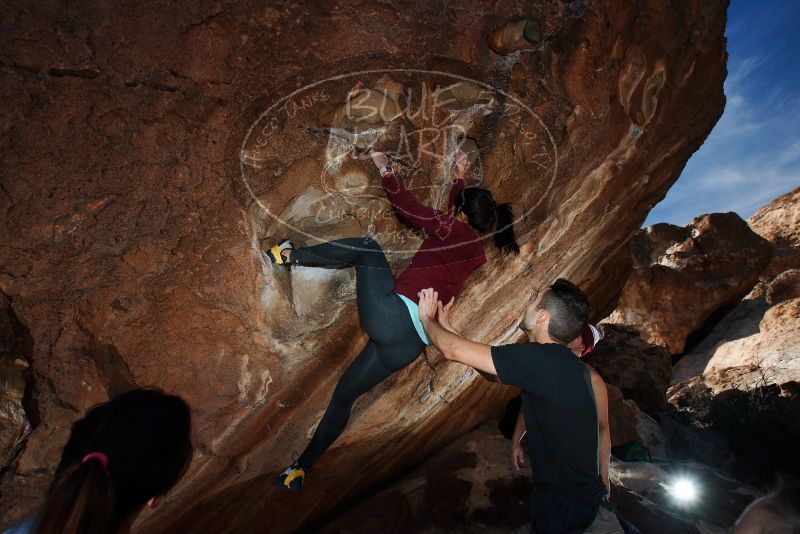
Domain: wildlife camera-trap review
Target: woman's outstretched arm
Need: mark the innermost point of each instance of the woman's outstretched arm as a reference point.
(433, 221)
(458, 183)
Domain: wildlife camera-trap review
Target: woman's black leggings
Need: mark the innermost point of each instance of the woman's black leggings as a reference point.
(393, 340)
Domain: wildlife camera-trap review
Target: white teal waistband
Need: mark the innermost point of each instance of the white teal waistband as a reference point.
(413, 311)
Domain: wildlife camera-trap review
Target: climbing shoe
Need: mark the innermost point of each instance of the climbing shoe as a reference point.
(274, 253)
(291, 479)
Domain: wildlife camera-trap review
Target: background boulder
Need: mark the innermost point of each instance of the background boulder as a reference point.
(683, 278)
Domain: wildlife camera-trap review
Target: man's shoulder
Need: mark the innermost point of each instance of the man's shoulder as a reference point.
(531, 349)
(533, 346)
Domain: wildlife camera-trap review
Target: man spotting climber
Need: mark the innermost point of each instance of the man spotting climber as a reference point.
(563, 400)
(581, 346)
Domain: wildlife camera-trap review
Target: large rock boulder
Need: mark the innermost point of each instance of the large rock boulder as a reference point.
(641, 370)
(760, 341)
(755, 344)
(630, 425)
(130, 240)
(623, 416)
(683, 277)
(779, 223)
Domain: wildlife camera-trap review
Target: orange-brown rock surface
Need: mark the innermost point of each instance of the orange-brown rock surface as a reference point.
(779, 223)
(759, 341)
(136, 188)
(755, 344)
(682, 277)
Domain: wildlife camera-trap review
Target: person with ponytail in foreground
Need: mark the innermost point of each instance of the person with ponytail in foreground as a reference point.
(453, 248)
(125, 454)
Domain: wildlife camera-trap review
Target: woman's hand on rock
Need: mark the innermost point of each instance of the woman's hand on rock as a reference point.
(379, 159)
(461, 163)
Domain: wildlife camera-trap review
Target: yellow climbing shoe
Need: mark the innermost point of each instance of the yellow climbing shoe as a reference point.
(291, 479)
(275, 253)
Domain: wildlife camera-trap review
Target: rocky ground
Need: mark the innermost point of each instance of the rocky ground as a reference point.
(148, 147)
(471, 486)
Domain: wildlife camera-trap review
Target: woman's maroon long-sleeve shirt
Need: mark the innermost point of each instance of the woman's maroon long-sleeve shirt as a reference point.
(451, 249)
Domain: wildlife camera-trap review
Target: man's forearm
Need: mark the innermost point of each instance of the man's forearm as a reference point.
(457, 348)
(519, 428)
(605, 454)
(444, 340)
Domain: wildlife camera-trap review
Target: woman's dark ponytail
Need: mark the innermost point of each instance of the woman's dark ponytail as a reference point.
(485, 215)
(81, 501)
(504, 238)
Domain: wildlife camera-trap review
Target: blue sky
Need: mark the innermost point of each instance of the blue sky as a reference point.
(753, 153)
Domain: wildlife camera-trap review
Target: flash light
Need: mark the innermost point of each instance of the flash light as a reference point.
(683, 490)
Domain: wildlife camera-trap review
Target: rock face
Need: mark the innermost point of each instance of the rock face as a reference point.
(683, 276)
(623, 415)
(641, 370)
(470, 486)
(14, 423)
(757, 340)
(141, 173)
(785, 286)
(779, 221)
(755, 344)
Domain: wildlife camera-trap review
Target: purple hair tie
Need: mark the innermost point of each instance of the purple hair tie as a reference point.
(97, 456)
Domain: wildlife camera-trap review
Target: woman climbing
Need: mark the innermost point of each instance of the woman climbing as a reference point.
(451, 251)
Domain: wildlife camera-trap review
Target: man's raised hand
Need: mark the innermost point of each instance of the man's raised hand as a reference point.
(444, 315)
(428, 304)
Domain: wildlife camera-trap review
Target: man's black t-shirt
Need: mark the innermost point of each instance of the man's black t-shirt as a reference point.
(561, 419)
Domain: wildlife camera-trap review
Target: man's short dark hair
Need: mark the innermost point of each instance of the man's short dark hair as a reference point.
(569, 310)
